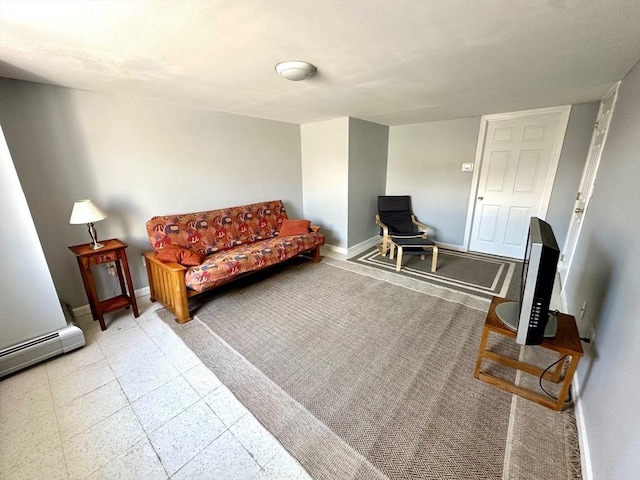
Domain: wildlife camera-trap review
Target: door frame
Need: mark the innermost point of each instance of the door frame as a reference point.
(593, 162)
(563, 110)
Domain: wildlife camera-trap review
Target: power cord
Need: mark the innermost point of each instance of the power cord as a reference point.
(545, 371)
(585, 340)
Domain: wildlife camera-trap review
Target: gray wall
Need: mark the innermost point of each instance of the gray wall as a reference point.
(343, 171)
(605, 274)
(425, 161)
(572, 159)
(325, 177)
(136, 159)
(368, 145)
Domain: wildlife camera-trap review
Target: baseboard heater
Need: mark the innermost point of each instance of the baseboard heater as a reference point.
(38, 349)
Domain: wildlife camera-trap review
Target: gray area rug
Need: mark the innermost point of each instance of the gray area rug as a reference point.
(363, 374)
(472, 273)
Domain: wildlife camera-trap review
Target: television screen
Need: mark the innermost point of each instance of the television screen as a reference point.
(529, 316)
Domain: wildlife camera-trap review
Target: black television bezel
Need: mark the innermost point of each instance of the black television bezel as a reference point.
(538, 277)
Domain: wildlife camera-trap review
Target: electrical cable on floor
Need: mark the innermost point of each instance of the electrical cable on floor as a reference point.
(545, 371)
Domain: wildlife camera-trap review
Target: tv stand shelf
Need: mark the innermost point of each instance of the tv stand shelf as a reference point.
(566, 342)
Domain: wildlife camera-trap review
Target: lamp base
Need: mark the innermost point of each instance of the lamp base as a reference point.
(94, 245)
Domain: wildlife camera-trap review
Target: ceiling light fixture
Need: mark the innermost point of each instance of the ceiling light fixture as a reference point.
(295, 71)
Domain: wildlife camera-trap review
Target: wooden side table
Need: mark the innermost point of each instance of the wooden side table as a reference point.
(566, 342)
(113, 251)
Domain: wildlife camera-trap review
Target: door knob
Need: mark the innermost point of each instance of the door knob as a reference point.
(480, 198)
(579, 210)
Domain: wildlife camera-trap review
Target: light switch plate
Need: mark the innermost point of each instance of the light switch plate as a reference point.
(467, 167)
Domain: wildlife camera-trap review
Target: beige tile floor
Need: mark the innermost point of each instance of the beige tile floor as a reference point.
(134, 403)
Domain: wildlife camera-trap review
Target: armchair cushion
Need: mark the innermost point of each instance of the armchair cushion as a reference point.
(399, 223)
(395, 213)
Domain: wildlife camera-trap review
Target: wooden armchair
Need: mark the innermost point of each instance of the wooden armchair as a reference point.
(400, 229)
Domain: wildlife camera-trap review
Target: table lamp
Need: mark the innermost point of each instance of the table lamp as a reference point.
(85, 211)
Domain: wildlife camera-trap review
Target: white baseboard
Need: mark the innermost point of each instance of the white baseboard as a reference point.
(451, 246)
(82, 310)
(583, 440)
(86, 309)
(363, 246)
(335, 249)
(141, 292)
(356, 249)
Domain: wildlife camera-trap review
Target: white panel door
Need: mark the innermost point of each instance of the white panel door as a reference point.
(517, 168)
(587, 184)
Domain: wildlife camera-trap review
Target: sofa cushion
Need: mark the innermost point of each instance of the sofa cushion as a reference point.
(188, 258)
(294, 227)
(220, 267)
(217, 230)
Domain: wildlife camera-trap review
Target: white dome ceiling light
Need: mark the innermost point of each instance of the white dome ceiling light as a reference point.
(295, 71)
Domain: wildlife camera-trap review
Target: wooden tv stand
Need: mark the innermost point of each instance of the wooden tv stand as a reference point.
(566, 342)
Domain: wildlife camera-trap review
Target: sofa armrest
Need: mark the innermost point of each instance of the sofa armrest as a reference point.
(167, 285)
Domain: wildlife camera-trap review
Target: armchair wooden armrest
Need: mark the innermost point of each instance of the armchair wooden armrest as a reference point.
(421, 225)
(385, 229)
(167, 285)
(385, 236)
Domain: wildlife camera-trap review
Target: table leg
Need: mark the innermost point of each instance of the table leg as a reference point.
(567, 382)
(132, 293)
(123, 288)
(483, 347)
(557, 371)
(90, 288)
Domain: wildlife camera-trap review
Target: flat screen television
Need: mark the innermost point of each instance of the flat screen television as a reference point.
(529, 317)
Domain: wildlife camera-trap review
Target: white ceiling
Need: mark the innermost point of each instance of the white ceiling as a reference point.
(390, 62)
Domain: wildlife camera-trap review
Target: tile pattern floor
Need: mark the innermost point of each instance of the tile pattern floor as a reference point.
(134, 403)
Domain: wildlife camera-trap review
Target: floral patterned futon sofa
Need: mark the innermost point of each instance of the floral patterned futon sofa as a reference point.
(195, 252)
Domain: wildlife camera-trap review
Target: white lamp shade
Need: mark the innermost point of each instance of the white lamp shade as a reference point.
(295, 71)
(85, 211)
